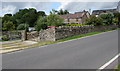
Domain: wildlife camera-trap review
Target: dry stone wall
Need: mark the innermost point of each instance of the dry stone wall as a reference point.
(62, 32)
(53, 34)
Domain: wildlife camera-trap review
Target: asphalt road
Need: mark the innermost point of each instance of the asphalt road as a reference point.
(87, 53)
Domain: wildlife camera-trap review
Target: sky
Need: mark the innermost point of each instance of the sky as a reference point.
(71, 5)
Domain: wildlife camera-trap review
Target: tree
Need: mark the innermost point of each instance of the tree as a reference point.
(8, 26)
(41, 23)
(107, 18)
(117, 18)
(66, 12)
(7, 17)
(93, 20)
(41, 13)
(54, 11)
(26, 16)
(54, 20)
(23, 26)
(60, 12)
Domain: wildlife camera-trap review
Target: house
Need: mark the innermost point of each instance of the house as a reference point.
(77, 17)
(98, 12)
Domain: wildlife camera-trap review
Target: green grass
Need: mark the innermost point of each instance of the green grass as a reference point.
(117, 68)
(81, 35)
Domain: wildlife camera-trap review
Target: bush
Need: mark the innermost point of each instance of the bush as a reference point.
(41, 23)
(8, 26)
(44, 26)
(93, 20)
(75, 24)
(38, 27)
(107, 18)
(23, 27)
(54, 20)
(5, 38)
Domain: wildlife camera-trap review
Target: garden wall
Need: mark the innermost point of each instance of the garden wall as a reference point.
(13, 35)
(53, 34)
(67, 31)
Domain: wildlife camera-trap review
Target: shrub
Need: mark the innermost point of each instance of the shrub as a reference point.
(8, 26)
(23, 27)
(41, 23)
(54, 20)
(93, 20)
(5, 38)
(107, 18)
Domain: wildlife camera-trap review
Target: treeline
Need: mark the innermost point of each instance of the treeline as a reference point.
(104, 19)
(25, 18)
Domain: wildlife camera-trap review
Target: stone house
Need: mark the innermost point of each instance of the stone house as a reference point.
(115, 10)
(77, 17)
(98, 12)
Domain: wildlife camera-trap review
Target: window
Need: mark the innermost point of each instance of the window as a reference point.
(76, 19)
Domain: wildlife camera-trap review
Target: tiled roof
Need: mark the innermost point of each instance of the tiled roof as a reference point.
(73, 16)
(97, 12)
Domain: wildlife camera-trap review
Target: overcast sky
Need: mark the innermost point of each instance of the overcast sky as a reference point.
(71, 5)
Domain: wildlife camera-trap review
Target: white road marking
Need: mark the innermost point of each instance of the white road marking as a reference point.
(108, 63)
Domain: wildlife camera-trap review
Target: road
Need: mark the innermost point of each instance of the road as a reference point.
(86, 53)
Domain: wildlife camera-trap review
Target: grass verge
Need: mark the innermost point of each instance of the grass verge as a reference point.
(117, 68)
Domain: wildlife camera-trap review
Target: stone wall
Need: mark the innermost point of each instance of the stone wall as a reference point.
(18, 34)
(67, 31)
(53, 34)
(48, 34)
(32, 35)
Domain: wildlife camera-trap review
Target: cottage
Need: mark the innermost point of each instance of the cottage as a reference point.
(77, 17)
(98, 12)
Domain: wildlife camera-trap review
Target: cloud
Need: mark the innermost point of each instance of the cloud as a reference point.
(80, 6)
(60, 0)
(70, 5)
(9, 9)
(13, 7)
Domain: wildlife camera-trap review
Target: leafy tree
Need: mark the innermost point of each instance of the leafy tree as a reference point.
(41, 23)
(26, 16)
(93, 20)
(117, 18)
(54, 20)
(8, 26)
(41, 13)
(7, 17)
(23, 26)
(66, 12)
(107, 18)
(60, 12)
(53, 11)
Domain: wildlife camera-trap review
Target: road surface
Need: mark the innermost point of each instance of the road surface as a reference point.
(86, 53)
